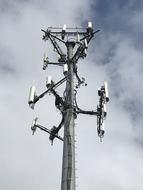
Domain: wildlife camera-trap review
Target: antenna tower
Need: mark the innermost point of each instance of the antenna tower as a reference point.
(76, 41)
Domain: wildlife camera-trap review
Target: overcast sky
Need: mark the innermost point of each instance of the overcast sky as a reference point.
(30, 162)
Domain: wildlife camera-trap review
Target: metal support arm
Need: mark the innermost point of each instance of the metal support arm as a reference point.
(48, 131)
(49, 89)
(87, 112)
(55, 44)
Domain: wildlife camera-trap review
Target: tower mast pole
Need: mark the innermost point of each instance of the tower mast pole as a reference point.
(68, 165)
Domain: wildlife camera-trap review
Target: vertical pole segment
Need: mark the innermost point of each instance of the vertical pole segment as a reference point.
(68, 165)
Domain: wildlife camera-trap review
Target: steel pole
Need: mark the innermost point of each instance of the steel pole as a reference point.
(68, 165)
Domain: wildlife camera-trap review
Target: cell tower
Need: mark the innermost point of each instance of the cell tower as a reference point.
(76, 41)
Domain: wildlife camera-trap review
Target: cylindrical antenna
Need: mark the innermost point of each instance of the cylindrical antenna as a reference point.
(65, 69)
(89, 29)
(89, 24)
(78, 37)
(33, 126)
(106, 91)
(32, 94)
(48, 81)
(63, 31)
(102, 130)
(64, 27)
(85, 43)
(45, 61)
(85, 52)
(104, 110)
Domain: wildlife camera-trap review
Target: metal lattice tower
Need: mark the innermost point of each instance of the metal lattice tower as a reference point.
(73, 39)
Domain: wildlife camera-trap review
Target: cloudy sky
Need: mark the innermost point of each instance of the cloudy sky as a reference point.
(30, 162)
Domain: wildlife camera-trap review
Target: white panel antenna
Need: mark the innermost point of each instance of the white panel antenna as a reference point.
(32, 95)
(63, 31)
(106, 91)
(48, 81)
(102, 128)
(102, 131)
(89, 28)
(85, 52)
(33, 126)
(89, 24)
(104, 110)
(64, 27)
(45, 61)
(44, 58)
(85, 43)
(65, 68)
(78, 38)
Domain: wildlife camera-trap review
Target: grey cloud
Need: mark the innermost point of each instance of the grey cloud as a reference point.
(7, 69)
(14, 9)
(134, 107)
(9, 8)
(6, 62)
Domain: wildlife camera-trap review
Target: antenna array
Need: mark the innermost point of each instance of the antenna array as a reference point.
(67, 105)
